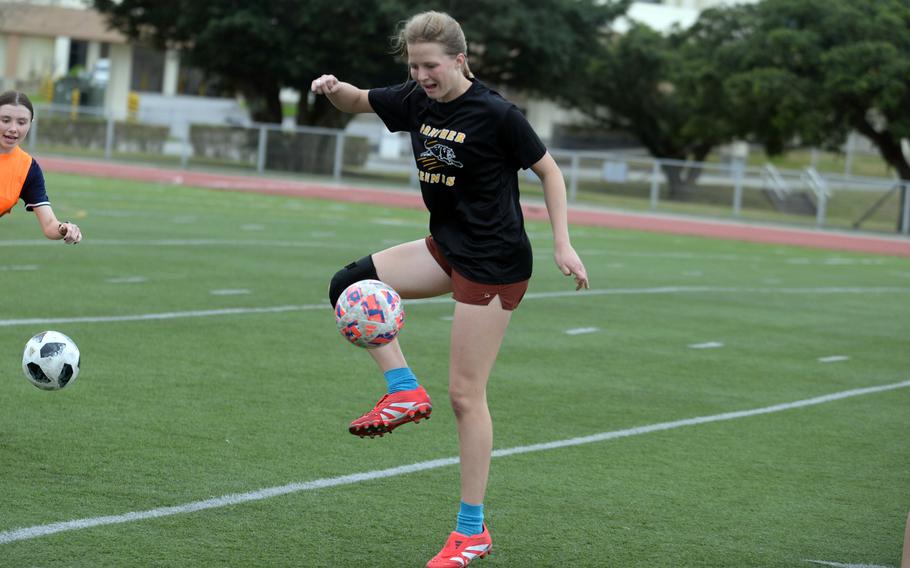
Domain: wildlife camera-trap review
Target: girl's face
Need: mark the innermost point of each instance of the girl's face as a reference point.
(438, 73)
(15, 120)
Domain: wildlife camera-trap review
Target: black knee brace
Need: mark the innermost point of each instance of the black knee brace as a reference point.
(362, 269)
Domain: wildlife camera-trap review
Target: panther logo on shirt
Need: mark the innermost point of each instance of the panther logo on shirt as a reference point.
(439, 152)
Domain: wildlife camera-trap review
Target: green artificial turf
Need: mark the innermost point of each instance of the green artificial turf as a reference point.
(224, 374)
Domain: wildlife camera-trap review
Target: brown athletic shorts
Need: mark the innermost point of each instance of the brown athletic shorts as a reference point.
(474, 293)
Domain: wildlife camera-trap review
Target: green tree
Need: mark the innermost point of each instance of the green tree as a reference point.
(661, 89)
(259, 47)
(539, 48)
(810, 72)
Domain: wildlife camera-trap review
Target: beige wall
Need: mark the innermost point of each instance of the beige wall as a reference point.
(35, 59)
(544, 115)
(118, 87)
(94, 52)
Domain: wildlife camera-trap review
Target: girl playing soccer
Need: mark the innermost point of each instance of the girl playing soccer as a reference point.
(469, 143)
(20, 176)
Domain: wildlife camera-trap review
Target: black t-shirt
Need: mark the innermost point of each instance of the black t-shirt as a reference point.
(468, 154)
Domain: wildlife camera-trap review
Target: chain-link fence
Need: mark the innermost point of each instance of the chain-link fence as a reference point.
(619, 180)
(736, 190)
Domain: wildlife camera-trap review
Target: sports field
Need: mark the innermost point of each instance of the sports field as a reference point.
(709, 403)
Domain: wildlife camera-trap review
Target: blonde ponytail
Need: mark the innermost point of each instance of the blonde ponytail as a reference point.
(434, 27)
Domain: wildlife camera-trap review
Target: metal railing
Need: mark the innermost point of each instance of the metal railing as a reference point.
(591, 176)
(779, 185)
(820, 188)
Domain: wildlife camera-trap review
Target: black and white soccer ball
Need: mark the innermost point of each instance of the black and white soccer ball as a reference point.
(51, 360)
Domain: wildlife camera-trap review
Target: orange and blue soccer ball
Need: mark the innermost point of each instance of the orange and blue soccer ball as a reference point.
(369, 313)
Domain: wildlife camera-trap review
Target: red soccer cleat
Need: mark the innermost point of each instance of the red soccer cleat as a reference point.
(460, 550)
(392, 411)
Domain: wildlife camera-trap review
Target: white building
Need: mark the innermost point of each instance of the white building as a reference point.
(42, 41)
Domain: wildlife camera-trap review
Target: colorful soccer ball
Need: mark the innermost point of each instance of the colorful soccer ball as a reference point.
(51, 360)
(369, 313)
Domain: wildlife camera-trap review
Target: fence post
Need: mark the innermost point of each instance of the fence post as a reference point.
(260, 149)
(905, 220)
(820, 209)
(339, 155)
(33, 135)
(738, 167)
(655, 184)
(851, 148)
(186, 148)
(573, 179)
(109, 138)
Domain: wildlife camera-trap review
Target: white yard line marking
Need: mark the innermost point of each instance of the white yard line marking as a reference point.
(19, 267)
(28, 533)
(127, 280)
(446, 299)
(662, 255)
(851, 261)
(833, 359)
(184, 243)
(542, 252)
(706, 345)
(727, 290)
(828, 261)
(581, 330)
(229, 292)
(164, 315)
(841, 565)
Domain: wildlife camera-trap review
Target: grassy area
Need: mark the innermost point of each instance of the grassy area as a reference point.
(844, 209)
(212, 367)
(827, 162)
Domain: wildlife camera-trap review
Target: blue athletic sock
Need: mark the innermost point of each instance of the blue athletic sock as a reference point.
(470, 519)
(400, 379)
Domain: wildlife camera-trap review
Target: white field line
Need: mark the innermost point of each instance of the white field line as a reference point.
(446, 299)
(833, 359)
(582, 330)
(184, 243)
(538, 253)
(163, 315)
(32, 532)
(229, 292)
(127, 280)
(706, 345)
(842, 565)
